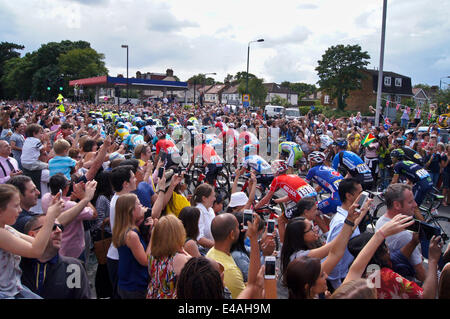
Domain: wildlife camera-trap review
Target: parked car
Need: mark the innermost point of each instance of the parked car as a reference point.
(292, 113)
(274, 110)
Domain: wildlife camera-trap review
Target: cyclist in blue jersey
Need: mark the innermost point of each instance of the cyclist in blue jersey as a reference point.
(134, 139)
(352, 164)
(264, 172)
(327, 178)
(415, 175)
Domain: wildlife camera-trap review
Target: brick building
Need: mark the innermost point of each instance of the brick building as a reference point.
(396, 88)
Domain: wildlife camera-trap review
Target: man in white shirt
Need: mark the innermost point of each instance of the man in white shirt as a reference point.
(400, 200)
(8, 165)
(123, 182)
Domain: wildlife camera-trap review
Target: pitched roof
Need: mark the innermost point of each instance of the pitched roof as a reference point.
(231, 89)
(405, 89)
(216, 89)
(275, 88)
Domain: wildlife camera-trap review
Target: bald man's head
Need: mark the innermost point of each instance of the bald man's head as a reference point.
(222, 225)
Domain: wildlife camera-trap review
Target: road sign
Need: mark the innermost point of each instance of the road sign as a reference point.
(246, 100)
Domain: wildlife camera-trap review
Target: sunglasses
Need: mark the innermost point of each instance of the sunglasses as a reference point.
(313, 228)
(53, 229)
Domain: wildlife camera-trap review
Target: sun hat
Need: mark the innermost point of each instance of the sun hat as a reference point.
(238, 199)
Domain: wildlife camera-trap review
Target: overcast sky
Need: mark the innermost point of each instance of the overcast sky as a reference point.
(200, 36)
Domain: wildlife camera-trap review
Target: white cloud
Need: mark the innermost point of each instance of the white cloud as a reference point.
(196, 37)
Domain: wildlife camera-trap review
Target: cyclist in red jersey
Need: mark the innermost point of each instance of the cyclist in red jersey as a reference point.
(296, 189)
(166, 150)
(210, 159)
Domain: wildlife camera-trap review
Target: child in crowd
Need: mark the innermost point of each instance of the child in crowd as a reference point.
(62, 163)
(33, 149)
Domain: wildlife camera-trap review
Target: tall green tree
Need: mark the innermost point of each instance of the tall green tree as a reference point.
(340, 69)
(256, 89)
(27, 76)
(8, 51)
(302, 89)
(17, 77)
(201, 79)
(82, 63)
(243, 75)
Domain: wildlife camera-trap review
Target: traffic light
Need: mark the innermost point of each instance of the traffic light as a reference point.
(48, 85)
(60, 84)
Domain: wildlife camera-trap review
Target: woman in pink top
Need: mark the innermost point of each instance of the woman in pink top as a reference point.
(72, 243)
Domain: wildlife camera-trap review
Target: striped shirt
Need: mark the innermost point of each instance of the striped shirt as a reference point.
(61, 164)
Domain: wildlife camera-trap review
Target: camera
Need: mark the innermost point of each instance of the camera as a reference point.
(270, 226)
(248, 217)
(362, 200)
(160, 172)
(269, 263)
(426, 231)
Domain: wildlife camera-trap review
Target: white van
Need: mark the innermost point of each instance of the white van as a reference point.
(292, 113)
(274, 110)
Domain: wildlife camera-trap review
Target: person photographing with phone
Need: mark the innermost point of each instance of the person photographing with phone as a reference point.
(349, 190)
(400, 200)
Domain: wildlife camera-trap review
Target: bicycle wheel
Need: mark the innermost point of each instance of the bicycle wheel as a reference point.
(195, 177)
(223, 186)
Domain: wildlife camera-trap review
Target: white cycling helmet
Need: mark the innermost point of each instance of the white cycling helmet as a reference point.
(316, 156)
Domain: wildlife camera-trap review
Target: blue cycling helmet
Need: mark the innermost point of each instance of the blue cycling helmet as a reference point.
(249, 148)
(341, 142)
(120, 125)
(134, 130)
(140, 123)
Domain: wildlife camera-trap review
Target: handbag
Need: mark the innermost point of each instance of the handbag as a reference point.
(101, 246)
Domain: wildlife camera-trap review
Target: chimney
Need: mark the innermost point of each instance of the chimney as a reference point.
(169, 72)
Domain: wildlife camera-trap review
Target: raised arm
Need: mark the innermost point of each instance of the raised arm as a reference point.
(27, 246)
(69, 215)
(158, 206)
(99, 159)
(394, 226)
(251, 196)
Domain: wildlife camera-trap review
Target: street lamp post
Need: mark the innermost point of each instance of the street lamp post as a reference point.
(380, 72)
(440, 81)
(248, 56)
(128, 87)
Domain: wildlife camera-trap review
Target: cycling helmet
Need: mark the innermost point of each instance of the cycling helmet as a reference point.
(319, 131)
(160, 134)
(317, 157)
(150, 122)
(341, 142)
(280, 166)
(120, 125)
(134, 130)
(398, 153)
(250, 148)
(244, 127)
(400, 141)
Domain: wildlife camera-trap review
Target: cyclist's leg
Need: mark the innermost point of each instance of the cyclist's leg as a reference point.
(329, 205)
(419, 192)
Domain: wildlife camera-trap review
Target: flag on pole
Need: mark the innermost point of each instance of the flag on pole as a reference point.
(367, 140)
(387, 121)
(61, 108)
